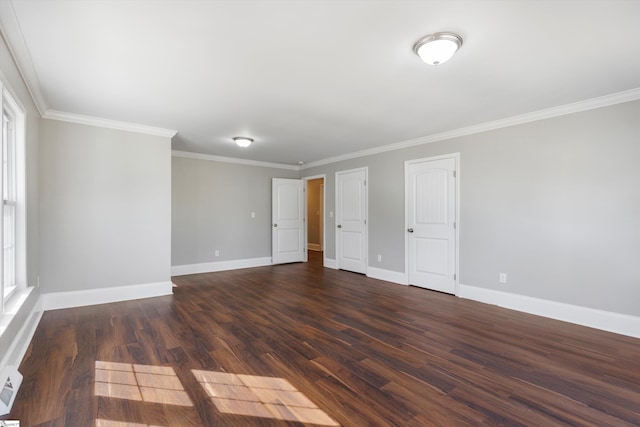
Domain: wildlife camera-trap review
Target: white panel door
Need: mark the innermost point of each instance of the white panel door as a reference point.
(431, 228)
(287, 237)
(351, 220)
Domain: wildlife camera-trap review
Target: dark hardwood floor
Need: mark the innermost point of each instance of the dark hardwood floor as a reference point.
(302, 345)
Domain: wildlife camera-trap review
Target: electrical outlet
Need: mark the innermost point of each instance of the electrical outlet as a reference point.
(379, 258)
(253, 214)
(503, 277)
(217, 253)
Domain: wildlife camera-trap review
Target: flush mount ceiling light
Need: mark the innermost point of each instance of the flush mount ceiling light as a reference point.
(243, 141)
(437, 48)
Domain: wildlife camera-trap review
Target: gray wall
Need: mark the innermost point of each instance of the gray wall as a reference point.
(11, 77)
(554, 204)
(212, 204)
(105, 207)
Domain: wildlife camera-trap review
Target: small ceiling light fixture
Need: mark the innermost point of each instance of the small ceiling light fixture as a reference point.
(437, 48)
(243, 141)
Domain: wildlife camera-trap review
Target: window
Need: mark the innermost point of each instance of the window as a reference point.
(12, 180)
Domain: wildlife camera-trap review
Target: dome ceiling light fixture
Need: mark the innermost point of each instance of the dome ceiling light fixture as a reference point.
(243, 141)
(437, 48)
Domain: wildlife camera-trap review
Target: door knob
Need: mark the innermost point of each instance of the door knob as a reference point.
(275, 225)
(339, 226)
(410, 230)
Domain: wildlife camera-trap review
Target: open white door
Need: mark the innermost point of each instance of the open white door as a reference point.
(287, 237)
(431, 208)
(351, 220)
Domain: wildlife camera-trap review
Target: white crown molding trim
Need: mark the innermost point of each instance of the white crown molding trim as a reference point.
(106, 123)
(387, 275)
(585, 316)
(576, 107)
(212, 158)
(12, 34)
(58, 300)
(14, 39)
(210, 267)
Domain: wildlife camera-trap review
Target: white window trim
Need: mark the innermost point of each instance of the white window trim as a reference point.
(8, 301)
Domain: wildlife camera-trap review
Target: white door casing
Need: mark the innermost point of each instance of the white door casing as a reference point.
(431, 205)
(287, 221)
(323, 219)
(321, 222)
(351, 220)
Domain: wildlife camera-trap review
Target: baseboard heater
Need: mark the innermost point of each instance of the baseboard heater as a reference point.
(10, 380)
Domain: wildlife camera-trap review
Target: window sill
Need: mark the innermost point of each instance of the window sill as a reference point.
(8, 293)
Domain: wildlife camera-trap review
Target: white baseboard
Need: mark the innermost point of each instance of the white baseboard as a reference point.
(331, 263)
(314, 247)
(387, 275)
(210, 267)
(606, 320)
(58, 300)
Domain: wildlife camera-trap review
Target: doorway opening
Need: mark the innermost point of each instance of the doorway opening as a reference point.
(315, 218)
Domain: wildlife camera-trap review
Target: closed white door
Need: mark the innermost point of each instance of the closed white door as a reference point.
(351, 220)
(431, 223)
(287, 237)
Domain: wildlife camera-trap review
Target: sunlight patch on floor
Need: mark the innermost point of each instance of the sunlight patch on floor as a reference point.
(144, 383)
(108, 423)
(265, 397)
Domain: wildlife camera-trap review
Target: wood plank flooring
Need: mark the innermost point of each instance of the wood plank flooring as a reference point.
(298, 344)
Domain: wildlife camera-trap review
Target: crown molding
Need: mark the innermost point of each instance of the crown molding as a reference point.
(576, 107)
(14, 39)
(212, 158)
(106, 123)
(12, 34)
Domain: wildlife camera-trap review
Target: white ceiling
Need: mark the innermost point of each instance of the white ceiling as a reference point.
(310, 80)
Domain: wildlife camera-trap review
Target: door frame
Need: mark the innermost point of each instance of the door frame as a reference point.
(407, 163)
(306, 219)
(366, 216)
